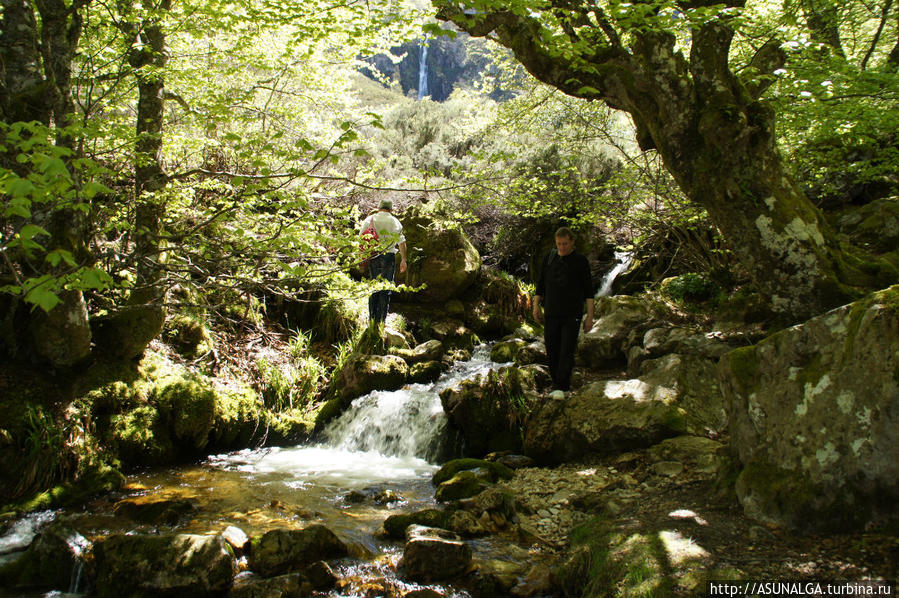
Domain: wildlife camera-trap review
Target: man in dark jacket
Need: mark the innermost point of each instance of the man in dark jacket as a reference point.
(564, 287)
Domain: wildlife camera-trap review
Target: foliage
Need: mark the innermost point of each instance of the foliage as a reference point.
(691, 286)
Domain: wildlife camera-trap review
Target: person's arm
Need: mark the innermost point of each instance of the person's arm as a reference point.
(538, 299)
(588, 319)
(403, 266)
(588, 299)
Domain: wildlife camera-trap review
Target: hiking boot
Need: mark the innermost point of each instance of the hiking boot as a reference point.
(557, 395)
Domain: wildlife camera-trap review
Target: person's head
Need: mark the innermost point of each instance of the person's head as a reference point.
(386, 205)
(564, 241)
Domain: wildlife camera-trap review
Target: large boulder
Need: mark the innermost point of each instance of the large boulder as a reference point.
(607, 417)
(440, 257)
(606, 344)
(52, 562)
(694, 384)
(364, 373)
(433, 554)
(489, 410)
(147, 565)
(282, 551)
(814, 417)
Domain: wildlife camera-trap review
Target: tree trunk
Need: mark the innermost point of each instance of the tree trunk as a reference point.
(715, 137)
(129, 332)
(35, 86)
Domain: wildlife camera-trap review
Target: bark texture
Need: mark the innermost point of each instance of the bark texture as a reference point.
(714, 134)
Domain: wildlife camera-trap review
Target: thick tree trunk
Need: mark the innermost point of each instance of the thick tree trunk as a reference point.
(715, 136)
(35, 86)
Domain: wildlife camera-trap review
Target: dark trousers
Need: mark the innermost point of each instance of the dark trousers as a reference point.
(560, 335)
(383, 265)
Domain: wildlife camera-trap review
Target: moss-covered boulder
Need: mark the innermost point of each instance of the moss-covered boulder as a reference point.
(284, 551)
(607, 417)
(63, 335)
(149, 565)
(464, 484)
(360, 375)
(425, 372)
(505, 351)
(188, 334)
(440, 256)
(490, 410)
(813, 417)
(497, 471)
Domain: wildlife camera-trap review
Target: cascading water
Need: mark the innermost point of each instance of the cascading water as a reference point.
(623, 260)
(423, 90)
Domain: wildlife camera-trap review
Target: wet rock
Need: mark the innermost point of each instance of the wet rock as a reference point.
(425, 372)
(813, 417)
(536, 582)
(431, 350)
(355, 497)
(281, 551)
(236, 538)
(424, 593)
(169, 564)
(464, 484)
(293, 585)
(489, 410)
(496, 577)
(433, 554)
(395, 526)
(169, 512)
(321, 576)
(51, 562)
(386, 497)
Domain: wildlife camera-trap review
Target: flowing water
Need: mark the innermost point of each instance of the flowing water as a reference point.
(623, 260)
(386, 441)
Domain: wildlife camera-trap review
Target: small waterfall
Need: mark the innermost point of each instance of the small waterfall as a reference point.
(423, 90)
(623, 260)
(405, 423)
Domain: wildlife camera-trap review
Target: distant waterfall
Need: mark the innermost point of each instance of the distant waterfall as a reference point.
(623, 261)
(423, 71)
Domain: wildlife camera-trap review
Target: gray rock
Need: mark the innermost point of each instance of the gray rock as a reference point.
(51, 562)
(699, 453)
(431, 350)
(605, 417)
(425, 372)
(433, 554)
(616, 318)
(531, 353)
(814, 417)
(694, 385)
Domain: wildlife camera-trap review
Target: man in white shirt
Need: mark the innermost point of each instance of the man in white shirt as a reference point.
(389, 230)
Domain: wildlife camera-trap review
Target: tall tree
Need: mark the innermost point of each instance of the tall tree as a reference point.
(669, 66)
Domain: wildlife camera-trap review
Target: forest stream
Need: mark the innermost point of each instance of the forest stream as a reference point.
(375, 460)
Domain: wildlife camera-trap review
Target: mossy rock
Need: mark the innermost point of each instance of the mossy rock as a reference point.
(425, 372)
(188, 334)
(505, 351)
(498, 471)
(464, 484)
(283, 551)
(395, 525)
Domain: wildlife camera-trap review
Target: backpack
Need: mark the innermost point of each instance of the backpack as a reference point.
(368, 245)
